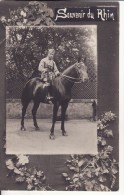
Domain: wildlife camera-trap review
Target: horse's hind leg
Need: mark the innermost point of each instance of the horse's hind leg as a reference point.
(34, 111)
(25, 105)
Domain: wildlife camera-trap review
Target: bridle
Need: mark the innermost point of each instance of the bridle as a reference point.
(73, 79)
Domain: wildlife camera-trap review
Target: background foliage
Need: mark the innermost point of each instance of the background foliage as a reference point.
(26, 46)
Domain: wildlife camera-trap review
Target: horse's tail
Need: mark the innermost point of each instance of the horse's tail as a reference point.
(25, 97)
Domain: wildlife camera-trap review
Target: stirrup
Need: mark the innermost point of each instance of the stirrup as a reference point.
(49, 98)
(46, 101)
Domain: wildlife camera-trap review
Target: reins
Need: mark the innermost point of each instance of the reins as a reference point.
(75, 80)
(79, 80)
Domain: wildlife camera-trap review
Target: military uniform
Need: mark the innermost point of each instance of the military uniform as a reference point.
(48, 69)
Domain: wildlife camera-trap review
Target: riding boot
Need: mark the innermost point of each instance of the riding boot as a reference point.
(49, 97)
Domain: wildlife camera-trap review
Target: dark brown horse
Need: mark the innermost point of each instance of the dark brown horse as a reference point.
(61, 91)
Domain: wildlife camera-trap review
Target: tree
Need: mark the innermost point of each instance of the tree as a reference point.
(26, 46)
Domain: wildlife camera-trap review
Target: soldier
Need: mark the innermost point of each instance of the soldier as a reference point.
(48, 70)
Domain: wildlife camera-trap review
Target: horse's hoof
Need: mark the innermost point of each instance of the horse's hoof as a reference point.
(64, 134)
(52, 137)
(37, 128)
(23, 129)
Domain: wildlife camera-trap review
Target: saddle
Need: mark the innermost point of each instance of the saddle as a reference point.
(48, 88)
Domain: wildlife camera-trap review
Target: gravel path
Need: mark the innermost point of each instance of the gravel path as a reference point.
(81, 139)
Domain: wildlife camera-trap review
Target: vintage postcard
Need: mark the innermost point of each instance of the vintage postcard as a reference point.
(60, 95)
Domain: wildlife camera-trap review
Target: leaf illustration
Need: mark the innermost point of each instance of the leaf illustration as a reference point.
(103, 142)
(20, 179)
(44, 178)
(22, 159)
(29, 187)
(49, 12)
(109, 149)
(102, 179)
(89, 186)
(49, 22)
(114, 170)
(102, 186)
(72, 168)
(75, 179)
(97, 187)
(89, 174)
(81, 163)
(19, 24)
(10, 164)
(76, 169)
(29, 180)
(97, 171)
(68, 179)
(65, 174)
(108, 133)
(37, 21)
(105, 171)
(17, 171)
(39, 173)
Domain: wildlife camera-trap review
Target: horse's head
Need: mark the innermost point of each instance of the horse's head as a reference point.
(81, 69)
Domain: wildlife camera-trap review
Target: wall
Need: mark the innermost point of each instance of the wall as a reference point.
(77, 109)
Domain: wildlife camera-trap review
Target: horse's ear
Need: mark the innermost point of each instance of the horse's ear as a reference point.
(78, 65)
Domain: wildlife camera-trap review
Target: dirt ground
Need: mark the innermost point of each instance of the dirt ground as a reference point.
(81, 139)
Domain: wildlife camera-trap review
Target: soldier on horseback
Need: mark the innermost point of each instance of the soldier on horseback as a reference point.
(48, 70)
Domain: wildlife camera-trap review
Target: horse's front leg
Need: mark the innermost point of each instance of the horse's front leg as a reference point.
(34, 111)
(64, 108)
(55, 110)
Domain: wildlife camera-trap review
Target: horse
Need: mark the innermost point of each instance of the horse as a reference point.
(61, 91)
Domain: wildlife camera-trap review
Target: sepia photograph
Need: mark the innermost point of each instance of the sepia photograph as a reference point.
(51, 90)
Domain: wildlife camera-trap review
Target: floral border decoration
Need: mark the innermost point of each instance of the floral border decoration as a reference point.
(94, 172)
(33, 14)
(34, 179)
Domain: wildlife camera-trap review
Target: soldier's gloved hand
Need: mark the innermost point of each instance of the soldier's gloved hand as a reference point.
(58, 74)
